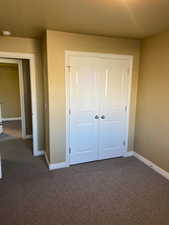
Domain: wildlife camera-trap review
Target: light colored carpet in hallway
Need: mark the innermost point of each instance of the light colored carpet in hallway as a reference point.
(11, 130)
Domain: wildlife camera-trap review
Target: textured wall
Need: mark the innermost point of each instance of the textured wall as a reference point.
(57, 43)
(152, 121)
(9, 91)
(28, 45)
(27, 96)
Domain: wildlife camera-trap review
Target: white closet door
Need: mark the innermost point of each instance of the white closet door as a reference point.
(84, 83)
(112, 107)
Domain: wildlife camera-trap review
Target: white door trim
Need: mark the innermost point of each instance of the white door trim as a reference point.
(21, 90)
(22, 102)
(31, 57)
(67, 89)
(152, 165)
(11, 118)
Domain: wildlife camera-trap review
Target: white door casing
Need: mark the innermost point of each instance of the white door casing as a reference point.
(12, 56)
(18, 62)
(97, 85)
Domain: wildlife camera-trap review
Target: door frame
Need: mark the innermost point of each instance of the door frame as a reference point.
(31, 57)
(21, 90)
(67, 89)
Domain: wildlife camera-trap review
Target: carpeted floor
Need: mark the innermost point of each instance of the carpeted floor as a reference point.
(120, 191)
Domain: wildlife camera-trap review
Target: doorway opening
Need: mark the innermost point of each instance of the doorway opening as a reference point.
(15, 99)
(18, 117)
(9, 101)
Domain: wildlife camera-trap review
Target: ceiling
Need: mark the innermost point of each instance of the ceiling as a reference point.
(120, 18)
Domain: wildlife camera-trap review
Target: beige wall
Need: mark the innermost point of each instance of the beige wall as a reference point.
(57, 43)
(9, 91)
(152, 123)
(27, 96)
(28, 45)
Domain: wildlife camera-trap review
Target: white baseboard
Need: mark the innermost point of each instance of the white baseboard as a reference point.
(11, 118)
(128, 154)
(27, 137)
(58, 165)
(39, 153)
(0, 168)
(54, 166)
(152, 165)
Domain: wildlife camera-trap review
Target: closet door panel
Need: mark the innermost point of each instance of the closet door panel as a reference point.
(112, 108)
(84, 110)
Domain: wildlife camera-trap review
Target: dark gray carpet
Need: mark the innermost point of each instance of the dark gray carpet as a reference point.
(119, 191)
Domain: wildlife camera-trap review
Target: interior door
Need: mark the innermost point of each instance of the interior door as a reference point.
(113, 101)
(84, 106)
(98, 100)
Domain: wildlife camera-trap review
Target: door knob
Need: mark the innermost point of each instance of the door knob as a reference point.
(103, 117)
(96, 117)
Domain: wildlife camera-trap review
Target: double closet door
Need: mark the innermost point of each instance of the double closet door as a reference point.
(98, 107)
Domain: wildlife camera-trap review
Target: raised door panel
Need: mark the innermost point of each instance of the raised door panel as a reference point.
(112, 108)
(84, 108)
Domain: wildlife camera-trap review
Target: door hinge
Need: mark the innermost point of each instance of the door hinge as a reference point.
(125, 108)
(128, 70)
(69, 67)
(69, 150)
(69, 111)
(124, 143)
